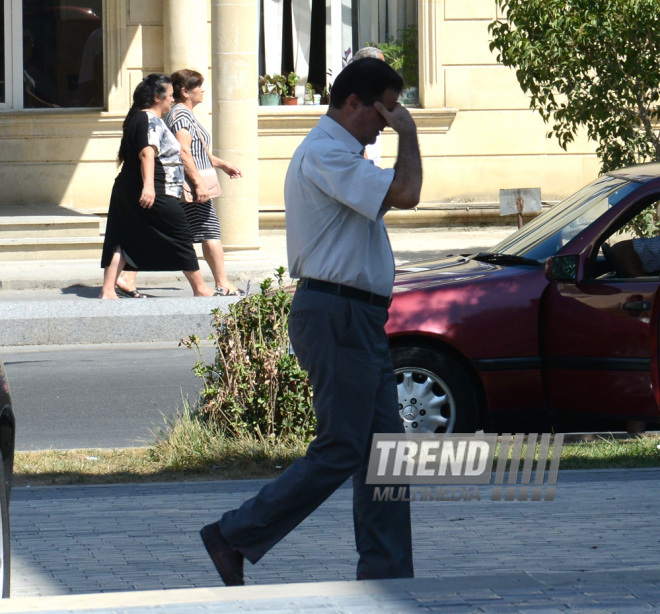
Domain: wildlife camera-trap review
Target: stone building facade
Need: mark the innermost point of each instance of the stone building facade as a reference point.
(476, 131)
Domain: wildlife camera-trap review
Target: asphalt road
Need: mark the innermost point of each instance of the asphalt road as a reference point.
(97, 396)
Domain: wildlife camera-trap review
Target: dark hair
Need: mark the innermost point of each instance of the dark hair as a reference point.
(367, 78)
(186, 78)
(152, 87)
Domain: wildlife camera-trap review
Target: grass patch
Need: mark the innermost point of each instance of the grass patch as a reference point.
(191, 450)
(607, 452)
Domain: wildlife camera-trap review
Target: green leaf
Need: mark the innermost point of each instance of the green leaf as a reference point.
(600, 58)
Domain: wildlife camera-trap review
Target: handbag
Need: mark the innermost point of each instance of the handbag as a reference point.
(208, 175)
(210, 178)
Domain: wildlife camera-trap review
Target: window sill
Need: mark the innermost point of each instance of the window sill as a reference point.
(300, 119)
(4, 110)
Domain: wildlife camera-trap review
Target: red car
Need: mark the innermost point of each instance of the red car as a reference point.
(543, 330)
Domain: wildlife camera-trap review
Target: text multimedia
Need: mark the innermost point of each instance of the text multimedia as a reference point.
(426, 493)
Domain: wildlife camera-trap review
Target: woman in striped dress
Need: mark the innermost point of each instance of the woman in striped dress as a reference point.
(203, 220)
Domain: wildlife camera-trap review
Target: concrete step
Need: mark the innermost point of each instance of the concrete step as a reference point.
(38, 232)
(75, 321)
(18, 228)
(60, 248)
(33, 221)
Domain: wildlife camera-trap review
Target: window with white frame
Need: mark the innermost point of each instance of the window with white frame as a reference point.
(52, 54)
(315, 38)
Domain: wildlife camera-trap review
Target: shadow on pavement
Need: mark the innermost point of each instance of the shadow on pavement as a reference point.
(82, 291)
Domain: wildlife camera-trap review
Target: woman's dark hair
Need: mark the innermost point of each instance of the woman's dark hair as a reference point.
(367, 78)
(153, 87)
(186, 78)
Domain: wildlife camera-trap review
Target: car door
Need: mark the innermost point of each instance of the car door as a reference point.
(599, 344)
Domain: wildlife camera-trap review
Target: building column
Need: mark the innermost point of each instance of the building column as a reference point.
(185, 35)
(185, 42)
(115, 45)
(431, 76)
(234, 48)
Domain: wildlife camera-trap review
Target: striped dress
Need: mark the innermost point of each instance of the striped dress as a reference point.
(648, 252)
(202, 217)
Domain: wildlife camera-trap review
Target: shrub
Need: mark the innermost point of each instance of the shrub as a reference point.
(255, 386)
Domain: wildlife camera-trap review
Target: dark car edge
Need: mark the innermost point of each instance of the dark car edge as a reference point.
(7, 438)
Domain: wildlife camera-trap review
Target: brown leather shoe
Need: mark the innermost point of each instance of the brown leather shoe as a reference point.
(227, 561)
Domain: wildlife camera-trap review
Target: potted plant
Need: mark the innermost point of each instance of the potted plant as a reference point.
(309, 93)
(271, 89)
(289, 96)
(402, 54)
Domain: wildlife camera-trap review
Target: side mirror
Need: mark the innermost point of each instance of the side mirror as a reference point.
(562, 268)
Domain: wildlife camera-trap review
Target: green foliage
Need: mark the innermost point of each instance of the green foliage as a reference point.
(272, 84)
(402, 54)
(592, 64)
(255, 386)
(291, 81)
(309, 91)
(645, 223)
(194, 443)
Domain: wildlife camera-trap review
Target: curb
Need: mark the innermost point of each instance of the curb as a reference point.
(71, 321)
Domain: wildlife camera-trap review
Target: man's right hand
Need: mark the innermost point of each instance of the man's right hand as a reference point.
(399, 118)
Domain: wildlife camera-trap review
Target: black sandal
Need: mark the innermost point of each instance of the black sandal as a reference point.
(129, 294)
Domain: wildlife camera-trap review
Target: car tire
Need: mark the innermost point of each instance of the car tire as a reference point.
(436, 393)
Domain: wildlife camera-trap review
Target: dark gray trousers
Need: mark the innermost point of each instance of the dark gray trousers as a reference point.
(342, 344)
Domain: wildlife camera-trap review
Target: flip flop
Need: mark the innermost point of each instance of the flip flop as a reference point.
(220, 291)
(127, 294)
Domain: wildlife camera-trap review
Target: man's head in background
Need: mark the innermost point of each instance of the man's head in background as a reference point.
(368, 52)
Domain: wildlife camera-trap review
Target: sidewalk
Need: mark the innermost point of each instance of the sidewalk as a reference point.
(135, 549)
(593, 549)
(44, 303)
(67, 279)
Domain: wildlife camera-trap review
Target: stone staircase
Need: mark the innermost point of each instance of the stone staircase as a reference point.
(48, 232)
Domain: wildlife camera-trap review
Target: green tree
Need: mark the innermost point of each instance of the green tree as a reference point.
(588, 64)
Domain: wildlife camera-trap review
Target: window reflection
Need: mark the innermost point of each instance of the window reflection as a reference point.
(62, 53)
(306, 37)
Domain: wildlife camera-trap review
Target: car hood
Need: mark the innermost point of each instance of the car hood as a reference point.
(476, 307)
(448, 270)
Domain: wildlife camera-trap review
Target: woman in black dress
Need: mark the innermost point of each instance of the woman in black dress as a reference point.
(147, 229)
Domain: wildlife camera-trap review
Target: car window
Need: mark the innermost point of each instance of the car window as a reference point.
(631, 250)
(549, 232)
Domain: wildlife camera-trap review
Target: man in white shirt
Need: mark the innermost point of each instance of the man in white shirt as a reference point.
(338, 247)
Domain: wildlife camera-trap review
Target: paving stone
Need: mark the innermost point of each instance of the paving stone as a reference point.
(470, 556)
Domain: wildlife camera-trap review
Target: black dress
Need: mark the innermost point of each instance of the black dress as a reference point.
(159, 238)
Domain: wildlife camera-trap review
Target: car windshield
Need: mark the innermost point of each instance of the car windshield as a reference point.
(546, 234)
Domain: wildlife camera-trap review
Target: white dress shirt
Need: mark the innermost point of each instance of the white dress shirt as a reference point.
(334, 212)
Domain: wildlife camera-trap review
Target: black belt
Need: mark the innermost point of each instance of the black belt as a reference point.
(348, 291)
